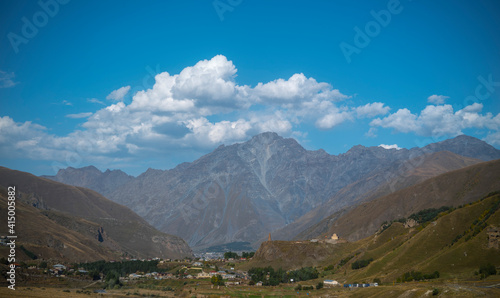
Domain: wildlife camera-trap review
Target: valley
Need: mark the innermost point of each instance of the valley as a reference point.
(416, 221)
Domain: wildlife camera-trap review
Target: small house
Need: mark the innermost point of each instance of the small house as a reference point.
(330, 283)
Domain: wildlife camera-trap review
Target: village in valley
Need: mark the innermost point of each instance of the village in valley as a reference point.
(206, 271)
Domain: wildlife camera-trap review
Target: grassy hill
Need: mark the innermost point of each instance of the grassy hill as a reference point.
(455, 243)
(49, 239)
(433, 246)
(91, 216)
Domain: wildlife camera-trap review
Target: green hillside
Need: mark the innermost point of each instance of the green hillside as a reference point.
(454, 243)
(434, 246)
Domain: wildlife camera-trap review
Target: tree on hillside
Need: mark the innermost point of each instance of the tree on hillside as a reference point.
(230, 255)
(217, 280)
(487, 270)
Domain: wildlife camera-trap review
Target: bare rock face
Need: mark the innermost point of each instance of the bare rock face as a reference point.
(241, 192)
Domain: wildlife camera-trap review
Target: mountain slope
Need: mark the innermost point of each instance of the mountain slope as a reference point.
(243, 191)
(397, 176)
(51, 240)
(449, 189)
(455, 243)
(119, 227)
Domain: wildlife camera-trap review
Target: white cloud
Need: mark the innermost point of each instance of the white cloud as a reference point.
(160, 97)
(371, 110)
(79, 115)
(438, 121)
(174, 113)
(209, 83)
(403, 120)
(437, 99)
(296, 89)
(118, 94)
(7, 79)
(95, 100)
(493, 138)
(203, 106)
(394, 146)
(371, 133)
(330, 120)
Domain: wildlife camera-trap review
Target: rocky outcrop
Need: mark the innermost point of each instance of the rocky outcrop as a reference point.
(493, 237)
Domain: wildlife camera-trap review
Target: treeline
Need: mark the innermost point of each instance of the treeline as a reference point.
(479, 224)
(429, 214)
(270, 277)
(361, 263)
(233, 255)
(123, 268)
(28, 253)
(417, 276)
(422, 217)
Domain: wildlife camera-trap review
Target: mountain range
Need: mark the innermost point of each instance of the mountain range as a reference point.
(242, 192)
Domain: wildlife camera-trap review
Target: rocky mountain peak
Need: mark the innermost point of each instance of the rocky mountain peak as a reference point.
(88, 170)
(466, 146)
(265, 138)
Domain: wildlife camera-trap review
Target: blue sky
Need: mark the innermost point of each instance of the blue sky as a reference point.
(138, 84)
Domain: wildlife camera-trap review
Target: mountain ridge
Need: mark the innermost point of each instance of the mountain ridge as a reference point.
(241, 192)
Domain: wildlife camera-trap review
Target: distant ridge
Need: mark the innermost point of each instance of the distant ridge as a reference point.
(91, 177)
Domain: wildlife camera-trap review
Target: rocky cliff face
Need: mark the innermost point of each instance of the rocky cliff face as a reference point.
(243, 191)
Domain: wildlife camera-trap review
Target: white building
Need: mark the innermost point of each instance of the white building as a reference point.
(330, 283)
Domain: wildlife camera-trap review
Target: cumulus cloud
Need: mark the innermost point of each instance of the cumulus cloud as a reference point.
(118, 94)
(437, 99)
(209, 82)
(79, 115)
(403, 120)
(371, 110)
(200, 107)
(7, 79)
(394, 146)
(296, 89)
(493, 138)
(439, 120)
(332, 119)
